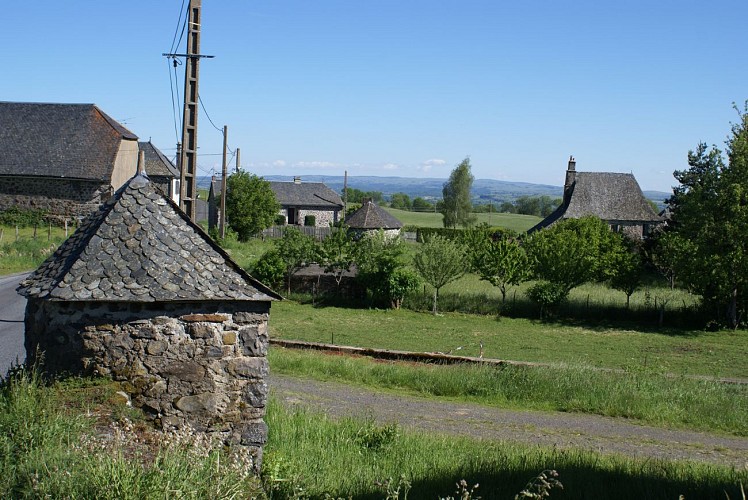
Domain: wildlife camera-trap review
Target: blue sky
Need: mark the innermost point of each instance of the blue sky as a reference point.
(404, 88)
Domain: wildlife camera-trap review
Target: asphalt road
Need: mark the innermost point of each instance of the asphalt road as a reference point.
(12, 307)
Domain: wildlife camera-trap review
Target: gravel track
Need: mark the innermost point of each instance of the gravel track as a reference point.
(563, 430)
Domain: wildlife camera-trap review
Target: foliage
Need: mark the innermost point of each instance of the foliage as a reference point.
(250, 204)
(709, 210)
(401, 201)
(542, 206)
(270, 269)
(574, 251)
(310, 220)
(421, 205)
(439, 261)
(548, 295)
(24, 217)
(456, 205)
(498, 259)
(358, 196)
(337, 252)
(280, 220)
(296, 250)
(626, 271)
(382, 271)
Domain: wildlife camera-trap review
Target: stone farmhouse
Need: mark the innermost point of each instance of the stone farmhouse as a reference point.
(615, 198)
(68, 158)
(161, 171)
(370, 217)
(298, 200)
(140, 293)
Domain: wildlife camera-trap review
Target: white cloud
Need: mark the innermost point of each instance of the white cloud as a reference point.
(429, 164)
(279, 163)
(315, 164)
(390, 166)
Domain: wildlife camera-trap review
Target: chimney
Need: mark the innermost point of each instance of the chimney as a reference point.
(570, 177)
(297, 179)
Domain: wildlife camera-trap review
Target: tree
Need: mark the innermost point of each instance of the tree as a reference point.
(626, 273)
(400, 201)
(270, 269)
(456, 204)
(382, 271)
(250, 204)
(439, 261)
(502, 262)
(422, 205)
(709, 211)
(337, 253)
(296, 250)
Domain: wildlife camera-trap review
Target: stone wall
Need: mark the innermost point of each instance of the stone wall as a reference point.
(323, 218)
(181, 363)
(61, 197)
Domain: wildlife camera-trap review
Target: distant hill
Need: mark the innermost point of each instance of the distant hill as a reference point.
(484, 190)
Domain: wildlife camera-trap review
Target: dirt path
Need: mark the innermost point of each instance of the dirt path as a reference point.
(564, 430)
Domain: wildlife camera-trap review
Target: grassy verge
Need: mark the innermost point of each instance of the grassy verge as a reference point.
(26, 253)
(647, 397)
(721, 353)
(515, 222)
(72, 440)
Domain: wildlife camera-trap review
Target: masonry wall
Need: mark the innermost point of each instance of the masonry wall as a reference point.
(199, 364)
(61, 197)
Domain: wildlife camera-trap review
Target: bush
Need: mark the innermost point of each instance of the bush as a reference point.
(547, 295)
(310, 220)
(280, 220)
(24, 217)
(270, 269)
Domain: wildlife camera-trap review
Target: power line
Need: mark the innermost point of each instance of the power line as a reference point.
(173, 102)
(199, 98)
(176, 30)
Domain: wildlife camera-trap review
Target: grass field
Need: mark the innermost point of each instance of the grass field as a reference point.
(722, 353)
(24, 253)
(515, 222)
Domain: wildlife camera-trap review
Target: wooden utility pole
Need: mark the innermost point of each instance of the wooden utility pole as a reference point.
(222, 218)
(188, 156)
(238, 153)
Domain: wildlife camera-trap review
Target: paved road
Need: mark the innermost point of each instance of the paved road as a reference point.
(12, 307)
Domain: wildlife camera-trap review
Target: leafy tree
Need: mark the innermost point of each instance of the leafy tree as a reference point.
(250, 204)
(501, 261)
(381, 269)
(357, 196)
(507, 208)
(422, 205)
(400, 201)
(270, 268)
(548, 295)
(456, 204)
(337, 253)
(541, 206)
(627, 271)
(439, 261)
(296, 250)
(709, 210)
(573, 252)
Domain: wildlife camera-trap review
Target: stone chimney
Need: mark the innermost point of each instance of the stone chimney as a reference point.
(571, 174)
(297, 179)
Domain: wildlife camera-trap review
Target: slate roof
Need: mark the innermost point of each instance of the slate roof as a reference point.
(372, 216)
(78, 141)
(307, 194)
(140, 247)
(613, 197)
(156, 164)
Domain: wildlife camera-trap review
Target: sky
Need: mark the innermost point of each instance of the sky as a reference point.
(402, 88)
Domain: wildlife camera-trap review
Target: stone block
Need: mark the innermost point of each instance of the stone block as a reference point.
(204, 404)
(187, 371)
(254, 433)
(203, 330)
(229, 338)
(246, 367)
(156, 347)
(255, 394)
(209, 318)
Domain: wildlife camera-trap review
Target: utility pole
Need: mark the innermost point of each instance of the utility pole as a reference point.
(188, 156)
(238, 154)
(222, 218)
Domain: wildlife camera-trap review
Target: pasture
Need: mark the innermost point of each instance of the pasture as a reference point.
(515, 222)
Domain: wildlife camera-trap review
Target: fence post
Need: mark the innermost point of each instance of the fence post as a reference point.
(35, 227)
(49, 232)
(2, 230)
(16, 233)
(66, 227)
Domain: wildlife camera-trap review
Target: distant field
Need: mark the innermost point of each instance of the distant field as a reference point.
(516, 222)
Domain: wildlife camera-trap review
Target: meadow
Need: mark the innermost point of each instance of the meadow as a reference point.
(515, 222)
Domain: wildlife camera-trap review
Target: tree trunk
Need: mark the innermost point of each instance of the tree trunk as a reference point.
(436, 296)
(732, 308)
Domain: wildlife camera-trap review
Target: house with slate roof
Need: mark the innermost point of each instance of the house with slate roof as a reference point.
(64, 158)
(613, 197)
(299, 200)
(140, 293)
(161, 171)
(370, 217)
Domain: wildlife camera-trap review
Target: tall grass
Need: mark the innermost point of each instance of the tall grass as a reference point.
(315, 455)
(641, 395)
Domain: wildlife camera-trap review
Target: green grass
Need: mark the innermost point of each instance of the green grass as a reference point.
(515, 222)
(26, 253)
(312, 453)
(721, 353)
(640, 395)
(67, 441)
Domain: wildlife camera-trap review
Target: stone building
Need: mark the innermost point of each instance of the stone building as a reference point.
(143, 295)
(63, 158)
(615, 198)
(370, 218)
(161, 171)
(299, 200)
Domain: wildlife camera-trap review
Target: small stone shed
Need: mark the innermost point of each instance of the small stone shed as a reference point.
(370, 218)
(143, 295)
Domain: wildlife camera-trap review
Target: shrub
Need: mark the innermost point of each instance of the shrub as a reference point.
(548, 295)
(310, 220)
(280, 220)
(26, 217)
(270, 269)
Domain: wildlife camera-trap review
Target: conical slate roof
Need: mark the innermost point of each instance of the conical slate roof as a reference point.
(140, 247)
(372, 216)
